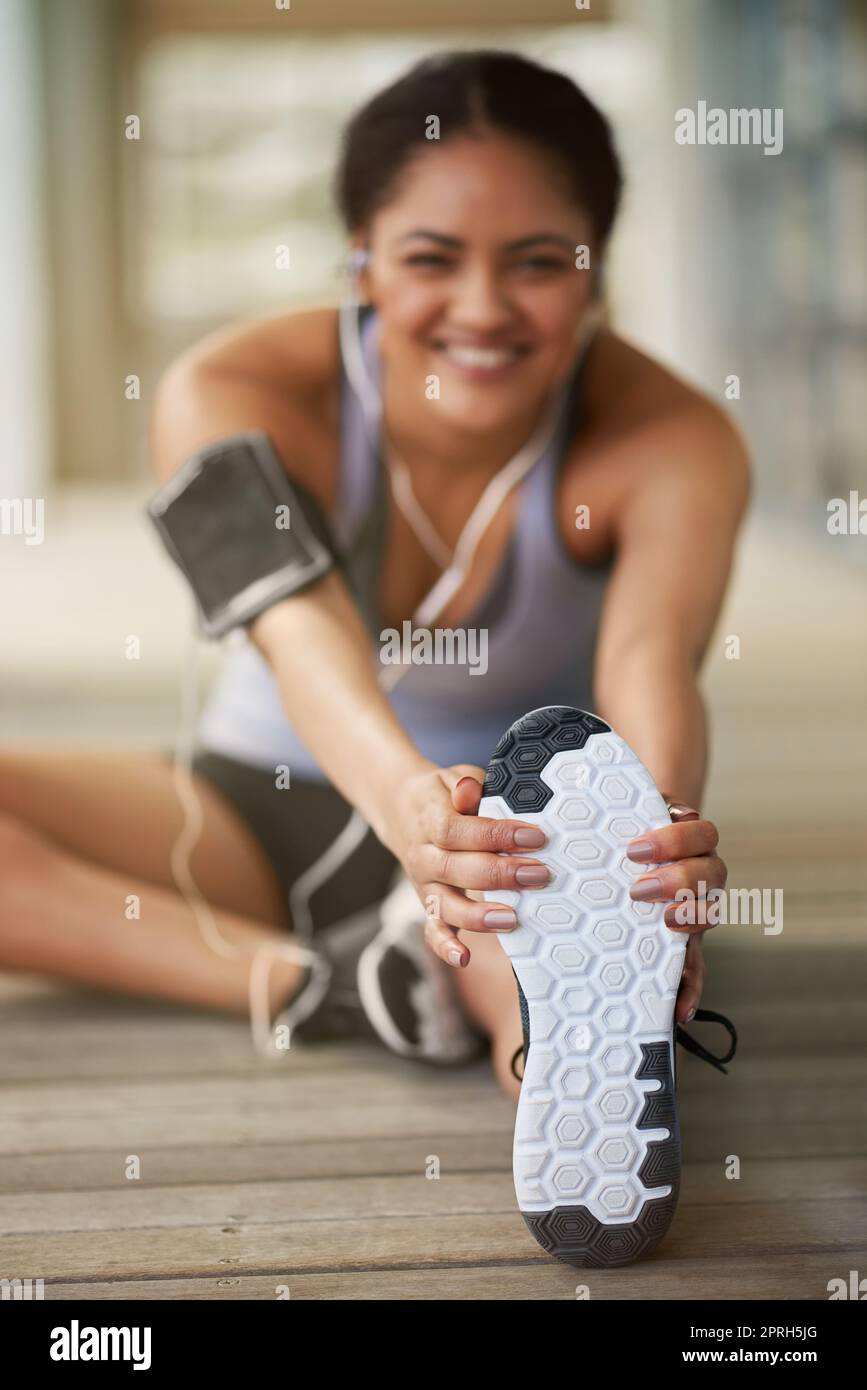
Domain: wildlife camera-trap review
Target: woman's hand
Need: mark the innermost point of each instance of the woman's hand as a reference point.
(682, 856)
(452, 855)
(449, 852)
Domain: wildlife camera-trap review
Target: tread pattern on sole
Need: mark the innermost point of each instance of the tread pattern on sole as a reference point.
(597, 1139)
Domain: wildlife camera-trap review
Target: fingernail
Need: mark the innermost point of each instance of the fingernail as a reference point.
(500, 917)
(645, 888)
(455, 956)
(641, 849)
(529, 837)
(533, 876)
(690, 1015)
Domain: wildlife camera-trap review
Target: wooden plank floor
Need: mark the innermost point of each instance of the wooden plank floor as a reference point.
(311, 1173)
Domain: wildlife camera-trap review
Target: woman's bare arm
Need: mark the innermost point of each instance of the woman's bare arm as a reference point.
(315, 642)
(676, 528)
(675, 535)
(322, 656)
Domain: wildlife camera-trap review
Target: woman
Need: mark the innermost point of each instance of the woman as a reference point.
(479, 255)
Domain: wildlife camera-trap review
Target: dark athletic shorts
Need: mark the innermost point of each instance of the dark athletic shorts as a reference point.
(294, 826)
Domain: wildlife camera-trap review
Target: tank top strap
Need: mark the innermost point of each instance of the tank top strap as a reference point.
(538, 538)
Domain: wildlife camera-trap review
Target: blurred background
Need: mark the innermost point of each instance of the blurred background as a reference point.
(118, 252)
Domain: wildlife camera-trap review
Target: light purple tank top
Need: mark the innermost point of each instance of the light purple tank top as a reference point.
(535, 630)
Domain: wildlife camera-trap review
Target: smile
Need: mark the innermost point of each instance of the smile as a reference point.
(480, 360)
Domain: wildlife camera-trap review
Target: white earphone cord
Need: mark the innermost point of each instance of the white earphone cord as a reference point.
(457, 566)
(186, 841)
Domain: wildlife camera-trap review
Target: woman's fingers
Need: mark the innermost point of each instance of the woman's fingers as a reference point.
(455, 832)
(691, 918)
(468, 851)
(692, 879)
(488, 873)
(460, 828)
(443, 941)
(691, 981)
(678, 841)
(665, 881)
(464, 914)
(465, 782)
(452, 775)
(680, 858)
(466, 795)
(447, 912)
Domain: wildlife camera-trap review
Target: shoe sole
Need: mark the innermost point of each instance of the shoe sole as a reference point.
(597, 1150)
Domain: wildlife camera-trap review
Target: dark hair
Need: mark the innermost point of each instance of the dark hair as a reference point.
(471, 92)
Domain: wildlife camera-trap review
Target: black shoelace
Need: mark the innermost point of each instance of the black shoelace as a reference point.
(692, 1045)
(686, 1040)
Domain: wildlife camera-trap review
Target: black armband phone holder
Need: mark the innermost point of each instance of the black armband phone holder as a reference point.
(243, 533)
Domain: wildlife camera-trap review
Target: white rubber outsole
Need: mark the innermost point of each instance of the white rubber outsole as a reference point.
(597, 1141)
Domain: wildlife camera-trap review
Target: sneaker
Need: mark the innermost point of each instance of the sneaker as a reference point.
(328, 1007)
(597, 1152)
(407, 992)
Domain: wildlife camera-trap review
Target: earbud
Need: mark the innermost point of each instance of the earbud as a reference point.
(357, 259)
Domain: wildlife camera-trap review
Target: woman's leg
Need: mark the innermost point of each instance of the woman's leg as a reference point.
(81, 833)
(489, 995)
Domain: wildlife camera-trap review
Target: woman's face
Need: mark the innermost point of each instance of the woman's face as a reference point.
(472, 271)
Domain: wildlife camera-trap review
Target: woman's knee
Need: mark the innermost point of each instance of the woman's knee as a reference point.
(27, 861)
